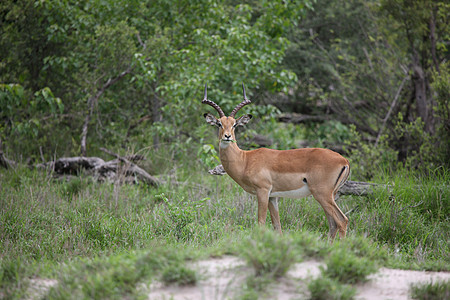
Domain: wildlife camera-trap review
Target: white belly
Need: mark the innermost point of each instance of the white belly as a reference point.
(296, 194)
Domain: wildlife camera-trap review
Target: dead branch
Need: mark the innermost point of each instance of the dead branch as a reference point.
(394, 102)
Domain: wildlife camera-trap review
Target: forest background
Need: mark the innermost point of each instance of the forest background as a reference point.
(76, 76)
(369, 79)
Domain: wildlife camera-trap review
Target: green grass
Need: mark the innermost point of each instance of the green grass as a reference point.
(180, 275)
(268, 253)
(431, 291)
(46, 224)
(346, 267)
(325, 288)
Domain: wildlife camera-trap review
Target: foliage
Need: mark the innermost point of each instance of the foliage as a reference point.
(117, 276)
(138, 68)
(348, 268)
(47, 222)
(366, 159)
(311, 245)
(83, 47)
(348, 262)
(208, 156)
(441, 139)
(179, 275)
(26, 117)
(12, 273)
(255, 286)
(269, 253)
(430, 291)
(323, 288)
(365, 62)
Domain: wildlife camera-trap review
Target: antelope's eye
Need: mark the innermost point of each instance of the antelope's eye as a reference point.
(234, 125)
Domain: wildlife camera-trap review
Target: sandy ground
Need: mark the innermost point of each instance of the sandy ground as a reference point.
(221, 278)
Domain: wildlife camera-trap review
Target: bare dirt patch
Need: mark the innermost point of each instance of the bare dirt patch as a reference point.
(223, 277)
(220, 278)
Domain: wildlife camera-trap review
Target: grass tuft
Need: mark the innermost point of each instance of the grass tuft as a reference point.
(431, 291)
(325, 288)
(269, 253)
(180, 275)
(346, 267)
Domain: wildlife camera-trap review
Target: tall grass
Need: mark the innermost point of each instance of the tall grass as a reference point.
(47, 221)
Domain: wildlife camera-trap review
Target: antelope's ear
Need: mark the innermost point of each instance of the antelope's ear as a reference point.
(241, 121)
(211, 120)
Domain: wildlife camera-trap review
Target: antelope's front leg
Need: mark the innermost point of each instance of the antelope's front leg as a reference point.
(263, 203)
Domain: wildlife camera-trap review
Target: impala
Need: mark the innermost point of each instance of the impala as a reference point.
(270, 174)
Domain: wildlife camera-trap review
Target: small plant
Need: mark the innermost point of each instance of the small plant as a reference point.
(73, 187)
(179, 274)
(431, 291)
(207, 154)
(11, 272)
(345, 267)
(326, 288)
(363, 247)
(269, 253)
(180, 215)
(311, 245)
(254, 287)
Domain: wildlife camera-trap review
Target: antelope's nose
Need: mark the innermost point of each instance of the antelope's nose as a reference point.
(227, 136)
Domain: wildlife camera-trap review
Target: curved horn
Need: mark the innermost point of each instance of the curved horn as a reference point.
(209, 102)
(242, 104)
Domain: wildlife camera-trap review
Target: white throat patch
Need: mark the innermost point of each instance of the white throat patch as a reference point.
(224, 145)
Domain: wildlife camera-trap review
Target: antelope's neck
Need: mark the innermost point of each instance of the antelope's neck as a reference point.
(232, 159)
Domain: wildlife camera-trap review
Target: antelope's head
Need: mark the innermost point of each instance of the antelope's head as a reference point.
(226, 125)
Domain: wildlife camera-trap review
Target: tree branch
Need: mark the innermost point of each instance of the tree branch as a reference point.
(391, 108)
(91, 102)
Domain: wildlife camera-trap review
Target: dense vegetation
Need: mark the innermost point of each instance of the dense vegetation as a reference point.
(372, 76)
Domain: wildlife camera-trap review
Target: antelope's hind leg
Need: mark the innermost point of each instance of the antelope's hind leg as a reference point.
(336, 218)
(274, 213)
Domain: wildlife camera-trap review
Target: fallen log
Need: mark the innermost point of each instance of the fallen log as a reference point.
(355, 188)
(119, 169)
(5, 162)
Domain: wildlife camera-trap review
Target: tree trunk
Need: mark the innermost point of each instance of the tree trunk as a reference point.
(420, 94)
(91, 102)
(155, 106)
